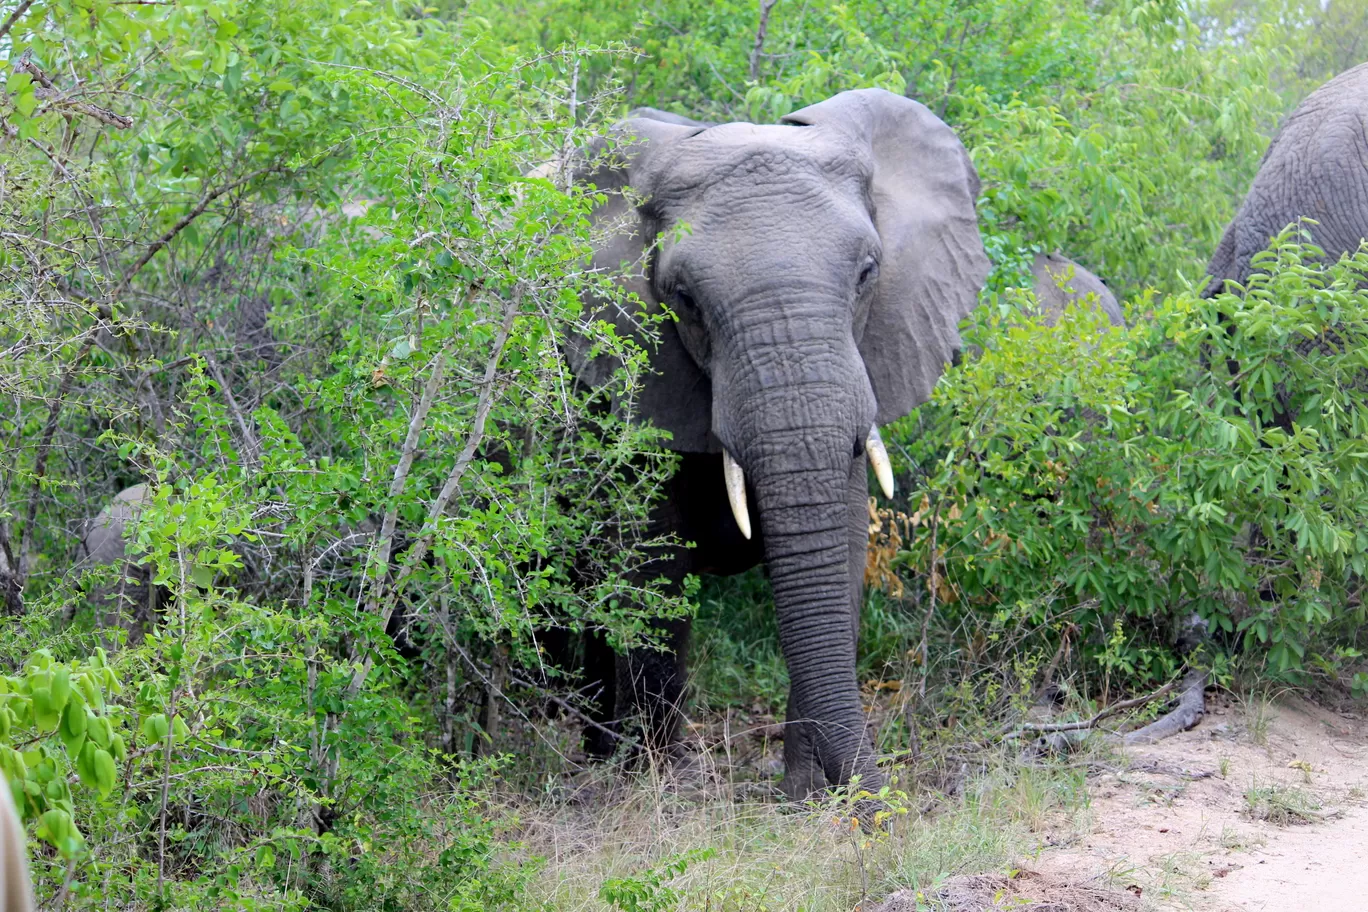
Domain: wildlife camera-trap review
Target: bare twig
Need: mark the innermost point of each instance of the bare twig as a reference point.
(1088, 724)
(251, 450)
(1053, 667)
(56, 98)
(41, 459)
(573, 710)
(170, 234)
(760, 33)
(14, 17)
(567, 144)
(385, 543)
(933, 587)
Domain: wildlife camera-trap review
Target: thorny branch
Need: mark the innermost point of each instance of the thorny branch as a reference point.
(55, 98)
(14, 17)
(417, 421)
(418, 552)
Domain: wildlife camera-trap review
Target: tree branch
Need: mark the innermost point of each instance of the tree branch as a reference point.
(760, 32)
(1191, 708)
(205, 201)
(14, 17)
(55, 98)
(383, 545)
(419, 549)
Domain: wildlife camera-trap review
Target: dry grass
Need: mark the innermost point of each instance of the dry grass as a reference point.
(663, 845)
(1283, 805)
(1025, 890)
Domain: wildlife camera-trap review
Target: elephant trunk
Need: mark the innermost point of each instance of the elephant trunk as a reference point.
(799, 433)
(806, 520)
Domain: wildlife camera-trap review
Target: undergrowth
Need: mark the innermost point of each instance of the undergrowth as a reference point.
(655, 845)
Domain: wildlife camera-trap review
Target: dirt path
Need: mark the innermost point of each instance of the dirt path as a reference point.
(1261, 808)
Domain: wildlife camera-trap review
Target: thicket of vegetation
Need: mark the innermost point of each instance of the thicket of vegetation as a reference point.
(279, 261)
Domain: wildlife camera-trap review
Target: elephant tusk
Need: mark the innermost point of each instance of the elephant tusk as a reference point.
(736, 492)
(878, 458)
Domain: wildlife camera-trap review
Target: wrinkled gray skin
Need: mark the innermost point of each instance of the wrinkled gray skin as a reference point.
(129, 598)
(827, 264)
(1316, 167)
(1061, 283)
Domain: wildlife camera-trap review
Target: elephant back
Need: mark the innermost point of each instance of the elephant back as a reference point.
(127, 596)
(1315, 168)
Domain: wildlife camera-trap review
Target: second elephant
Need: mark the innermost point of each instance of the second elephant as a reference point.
(1316, 167)
(128, 599)
(1060, 283)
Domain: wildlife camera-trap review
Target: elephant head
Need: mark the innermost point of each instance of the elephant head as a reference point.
(816, 271)
(1060, 283)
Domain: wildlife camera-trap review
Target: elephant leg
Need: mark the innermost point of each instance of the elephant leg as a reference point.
(651, 685)
(600, 685)
(137, 602)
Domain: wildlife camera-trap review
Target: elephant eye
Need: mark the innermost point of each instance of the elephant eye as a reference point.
(868, 273)
(684, 301)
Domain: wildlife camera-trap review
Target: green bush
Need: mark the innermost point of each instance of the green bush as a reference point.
(1209, 461)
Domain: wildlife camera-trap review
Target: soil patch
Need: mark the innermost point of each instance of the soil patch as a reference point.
(1260, 808)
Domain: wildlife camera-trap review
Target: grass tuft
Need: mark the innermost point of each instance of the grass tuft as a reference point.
(1282, 805)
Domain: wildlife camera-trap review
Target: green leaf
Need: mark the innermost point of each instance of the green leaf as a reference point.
(117, 747)
(25, 103)
(61, 688)
(232, 78)
(98, 730)
(104, 772)
(85, 765)
(155, 728)
(73, 727)
(45, 717)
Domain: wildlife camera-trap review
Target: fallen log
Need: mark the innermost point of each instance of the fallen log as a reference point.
(1190, 710)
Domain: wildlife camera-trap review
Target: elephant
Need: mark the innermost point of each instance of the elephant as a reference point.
(1316, 167)
(1061, 283)
(130, 597)
(11, 596)
(813, 274)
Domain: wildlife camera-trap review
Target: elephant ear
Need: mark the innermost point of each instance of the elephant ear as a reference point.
(923, 190)
(676, 395)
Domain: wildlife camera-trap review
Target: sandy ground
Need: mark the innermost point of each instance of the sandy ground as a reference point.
(1173, 822)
